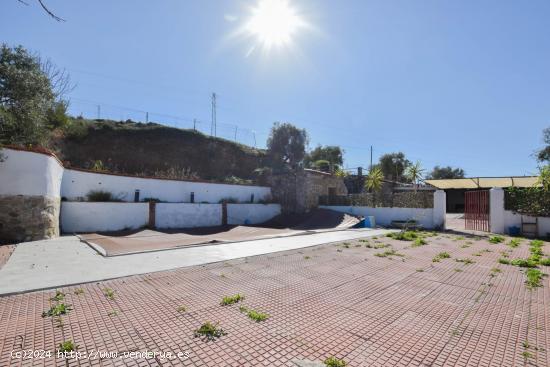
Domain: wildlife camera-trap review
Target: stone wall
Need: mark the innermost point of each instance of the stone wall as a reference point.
(28, 218)
(398, 199)
(299, 192)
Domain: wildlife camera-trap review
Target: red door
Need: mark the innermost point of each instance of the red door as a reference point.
(476, 210)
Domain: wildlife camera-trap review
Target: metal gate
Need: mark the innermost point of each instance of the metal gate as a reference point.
(476, 210)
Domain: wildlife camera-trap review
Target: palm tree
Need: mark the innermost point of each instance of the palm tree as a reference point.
(415, 173)
(373, 182)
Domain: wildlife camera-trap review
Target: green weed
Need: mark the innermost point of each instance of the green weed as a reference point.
(67, 346)
(254, 315)
(229, 300)
(59, 296)
(496, 239)
(419, 242)
(109, 293)
(441, 256)
(534, 277)
(334, 362)
(465, 261)
(57, 310)
(209, 331)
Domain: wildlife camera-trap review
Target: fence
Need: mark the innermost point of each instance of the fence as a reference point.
(232, 132)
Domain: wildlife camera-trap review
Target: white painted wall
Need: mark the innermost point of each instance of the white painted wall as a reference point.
(102, 217)
(176, 215)
(76, 184)
(440, 209)
(384, 216)
(251, 213)
(496, 210)
(514, 219)
(29, 173)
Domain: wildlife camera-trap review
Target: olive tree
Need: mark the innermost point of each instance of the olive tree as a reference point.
(31, 91)
(286, 146)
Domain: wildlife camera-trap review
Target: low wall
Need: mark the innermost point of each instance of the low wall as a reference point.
(76, 184)
(514, 219)
(251, 213)
(102, 217)
(29, 195)
(188, 215)
(384, 216)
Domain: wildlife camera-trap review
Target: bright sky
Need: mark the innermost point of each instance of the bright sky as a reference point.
(463, 83)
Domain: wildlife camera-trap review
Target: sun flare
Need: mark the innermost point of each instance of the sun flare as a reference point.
(274, 23)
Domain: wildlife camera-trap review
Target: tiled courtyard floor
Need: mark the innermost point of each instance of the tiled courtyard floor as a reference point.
(329, 300)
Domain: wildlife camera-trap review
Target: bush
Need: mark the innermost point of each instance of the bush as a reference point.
(101, 196)
(533, 201)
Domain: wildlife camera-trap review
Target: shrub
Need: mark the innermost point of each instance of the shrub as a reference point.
(504, 261)
(101, 196)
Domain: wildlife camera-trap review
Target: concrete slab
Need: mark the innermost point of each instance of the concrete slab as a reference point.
(67, 260)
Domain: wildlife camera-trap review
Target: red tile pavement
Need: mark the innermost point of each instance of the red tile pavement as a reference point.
(329, 300)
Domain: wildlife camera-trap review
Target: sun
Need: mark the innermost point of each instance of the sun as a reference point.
(274, 23)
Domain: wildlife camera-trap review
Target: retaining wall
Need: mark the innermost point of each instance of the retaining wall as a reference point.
(429, 218)
(29, 196)
(76, 184)
(251, 213)
(174, 215)
(82, 217)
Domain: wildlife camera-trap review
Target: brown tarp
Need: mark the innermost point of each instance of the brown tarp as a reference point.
(319, 220)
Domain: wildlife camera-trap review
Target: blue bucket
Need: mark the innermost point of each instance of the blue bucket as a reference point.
(514, 231)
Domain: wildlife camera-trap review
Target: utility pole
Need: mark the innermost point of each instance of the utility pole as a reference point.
(146, 117)
(213, 126)
(370, 167)
(195, 124)
(254, 134)
(98, 112)
(236, 128)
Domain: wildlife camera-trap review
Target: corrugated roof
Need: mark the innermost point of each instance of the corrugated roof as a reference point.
(484, 182)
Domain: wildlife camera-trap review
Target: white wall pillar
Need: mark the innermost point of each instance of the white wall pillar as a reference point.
(496, 213)
(440, 209)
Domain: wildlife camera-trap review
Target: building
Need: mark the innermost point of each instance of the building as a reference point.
(455, 188)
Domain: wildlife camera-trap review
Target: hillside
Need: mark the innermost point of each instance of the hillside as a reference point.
(155, 150)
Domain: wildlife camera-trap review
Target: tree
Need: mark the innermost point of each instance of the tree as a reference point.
(543, 155)
(374, 181)
(544, 178)
(440, 173)
(332, 154)
(393, 165)
(415, 173)
(286, 146)
(31, 93)
(45, 8)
